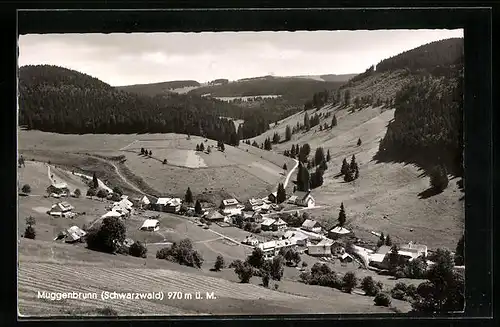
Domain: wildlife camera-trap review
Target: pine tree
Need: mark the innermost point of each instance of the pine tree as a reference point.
(348, 176)
(356, 172)
(197, 147)
(142, 151)
(150, 153)
(342, 216)
(288, 133)
(281, 194)
(189, 196)
(359, 142)
(328, 157)
(202, 147)
(319, 156)
(381, 240)
(323, 165)
(347, 98)
(388, 241)
(352, 166)
(285, 167)
(334, 121)
(345, 167)
(95, 181)
(292, 151)
(197, 207)
(307, 125)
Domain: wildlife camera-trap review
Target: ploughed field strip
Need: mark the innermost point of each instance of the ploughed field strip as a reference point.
(34, 277)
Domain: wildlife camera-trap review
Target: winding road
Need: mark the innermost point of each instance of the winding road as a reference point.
(287, 179)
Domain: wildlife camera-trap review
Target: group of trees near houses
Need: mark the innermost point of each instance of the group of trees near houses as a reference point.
(60, 100)
(256, 265)
(350, 171)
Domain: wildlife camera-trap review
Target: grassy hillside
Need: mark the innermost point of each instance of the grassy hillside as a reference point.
(158, 88)
(408, 122)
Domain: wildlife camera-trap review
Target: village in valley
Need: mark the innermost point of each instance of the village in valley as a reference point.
(303, 216)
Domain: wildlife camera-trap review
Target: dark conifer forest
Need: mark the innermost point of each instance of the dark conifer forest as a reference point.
(55, 99)
(428, 122)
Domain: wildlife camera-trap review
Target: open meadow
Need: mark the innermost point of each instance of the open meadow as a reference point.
(393, 190)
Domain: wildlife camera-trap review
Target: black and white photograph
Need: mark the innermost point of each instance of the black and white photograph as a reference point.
(241, 173)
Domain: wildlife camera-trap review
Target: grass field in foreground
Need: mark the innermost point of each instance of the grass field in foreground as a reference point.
(38, 271)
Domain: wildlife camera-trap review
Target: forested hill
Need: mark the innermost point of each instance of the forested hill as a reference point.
(428, 121)
(60, 100)
(428, 56)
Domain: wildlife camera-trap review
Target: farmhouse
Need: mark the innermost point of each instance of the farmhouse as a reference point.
(273, 224)
(73, 234)
(142, 203)
(272, 197)
(304, 199)
(296, 237)
(214, 216)
(150, 225)
(229, 204)
(311, 225)
(417, 249)
(338, 232)
(323, 248)
(380, 259)
(168, 204)
(61, 209)
(272, 248)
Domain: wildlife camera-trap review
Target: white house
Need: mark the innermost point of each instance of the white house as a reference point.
(304, 199)
(323, 248)
(150, 225)
(417, 249)
(74, 234)
(311, 225)
(144, 202)
(292, 199)
(272, 248)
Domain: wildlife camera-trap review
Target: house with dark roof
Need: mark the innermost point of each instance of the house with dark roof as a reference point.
(311, 226)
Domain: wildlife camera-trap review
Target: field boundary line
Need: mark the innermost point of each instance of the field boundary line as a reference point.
(126, 146)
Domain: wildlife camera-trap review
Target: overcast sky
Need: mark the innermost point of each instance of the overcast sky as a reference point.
(124, 59)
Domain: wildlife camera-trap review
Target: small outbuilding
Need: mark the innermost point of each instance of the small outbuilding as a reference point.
(151, 225)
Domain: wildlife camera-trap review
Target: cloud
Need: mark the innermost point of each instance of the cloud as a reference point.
(121, 59)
